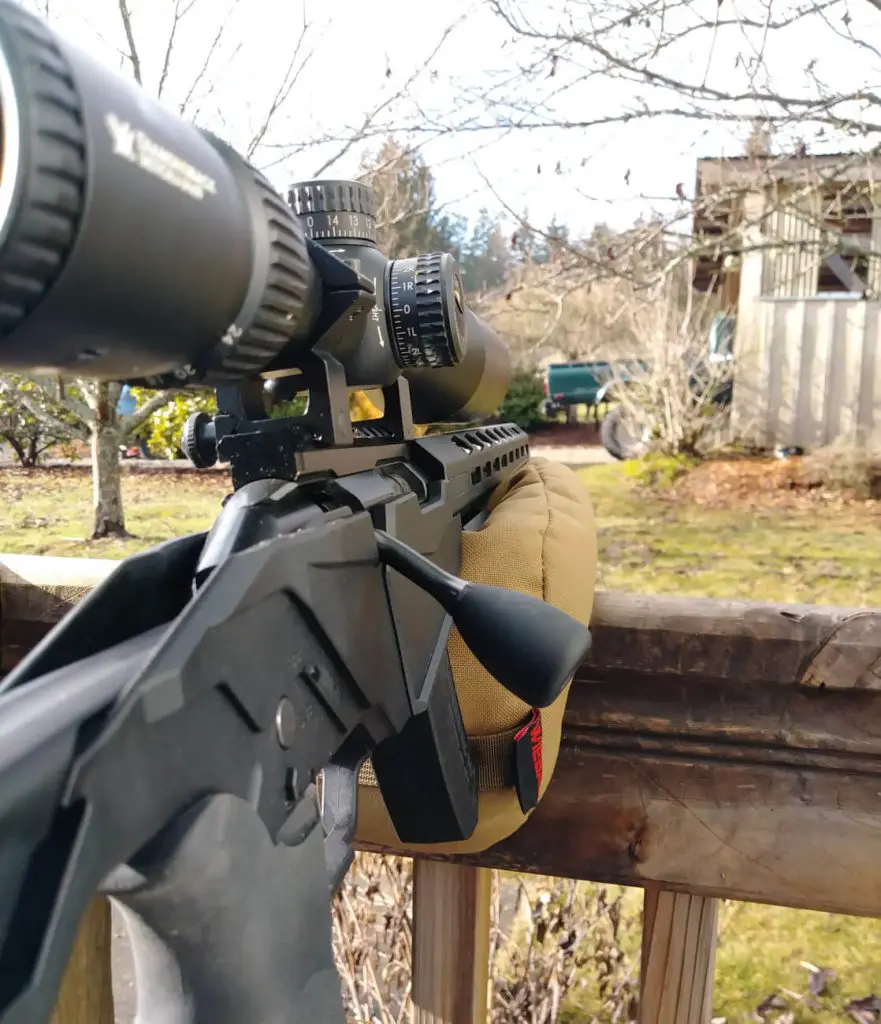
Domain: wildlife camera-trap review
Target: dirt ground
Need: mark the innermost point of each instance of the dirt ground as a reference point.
(566, 434)
(762, 483)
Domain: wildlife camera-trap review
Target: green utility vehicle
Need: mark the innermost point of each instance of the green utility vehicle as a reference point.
(594, 383)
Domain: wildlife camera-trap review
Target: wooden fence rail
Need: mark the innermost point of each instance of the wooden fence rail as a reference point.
(710, 749)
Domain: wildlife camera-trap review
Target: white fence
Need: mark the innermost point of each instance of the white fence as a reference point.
(808, 371)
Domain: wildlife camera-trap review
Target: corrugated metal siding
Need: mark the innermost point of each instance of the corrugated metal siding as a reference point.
(791, 270)
(874, 281)
(815, 374)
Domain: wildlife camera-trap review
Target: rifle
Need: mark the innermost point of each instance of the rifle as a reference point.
(188, 739)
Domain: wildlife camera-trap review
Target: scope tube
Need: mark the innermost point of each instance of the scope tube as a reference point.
(131, 243)
(458, 367)
(470, 390)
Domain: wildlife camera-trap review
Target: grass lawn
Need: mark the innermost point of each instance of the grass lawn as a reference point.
(816, 551)
(49, 512)
(811, 552)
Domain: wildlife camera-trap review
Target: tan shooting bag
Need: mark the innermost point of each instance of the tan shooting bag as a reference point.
(539, 538)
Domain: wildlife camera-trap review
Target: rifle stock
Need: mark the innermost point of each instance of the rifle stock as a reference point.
(163, 741)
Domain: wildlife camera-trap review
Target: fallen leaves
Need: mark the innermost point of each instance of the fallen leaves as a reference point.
(760, 483)
(820, 977)
(864, 1011)
(781, 1006)
(766, 1010)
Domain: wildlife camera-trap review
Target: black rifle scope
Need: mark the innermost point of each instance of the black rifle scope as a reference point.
(137, 247)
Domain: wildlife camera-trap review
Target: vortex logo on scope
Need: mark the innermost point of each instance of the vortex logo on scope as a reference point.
(138, 148)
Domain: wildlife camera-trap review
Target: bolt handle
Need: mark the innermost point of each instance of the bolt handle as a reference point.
(529, 646)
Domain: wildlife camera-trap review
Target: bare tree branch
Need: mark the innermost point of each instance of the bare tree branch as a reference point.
(627, 44)
(129, 424)
(181, 10)
(289, 79)
(201, 74)
(133, 55)
(368, 127)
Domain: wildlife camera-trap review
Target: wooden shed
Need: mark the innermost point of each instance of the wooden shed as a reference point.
(792, 246)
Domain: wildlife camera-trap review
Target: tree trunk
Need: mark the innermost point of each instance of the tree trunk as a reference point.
(17, 447)
(106, 474)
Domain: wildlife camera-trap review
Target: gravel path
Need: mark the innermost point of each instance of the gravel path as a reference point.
(574, 455)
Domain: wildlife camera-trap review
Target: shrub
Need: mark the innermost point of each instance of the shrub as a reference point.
(372, 939)
(163, 429)
(295, 407)
(522, 404)
(848, 464)
(29, 435)
(571, 956)
(677, 394)
(569, 951)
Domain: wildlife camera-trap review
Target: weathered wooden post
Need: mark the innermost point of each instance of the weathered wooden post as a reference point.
(34, 594)
(678, 957)
(451, 920)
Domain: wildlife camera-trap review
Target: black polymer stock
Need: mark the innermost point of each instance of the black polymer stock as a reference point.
(188, 739)
(179, 733)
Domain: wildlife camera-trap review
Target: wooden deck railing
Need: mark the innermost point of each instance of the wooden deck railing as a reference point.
(711, 749)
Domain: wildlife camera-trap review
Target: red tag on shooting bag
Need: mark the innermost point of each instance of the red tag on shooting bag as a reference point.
(527, 760)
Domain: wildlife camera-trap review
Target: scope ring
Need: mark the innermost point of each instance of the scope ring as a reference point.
(275, 297)
(42, 186)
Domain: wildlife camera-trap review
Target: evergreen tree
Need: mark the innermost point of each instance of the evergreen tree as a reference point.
(408, 219)
(486, 257)
(545, 250)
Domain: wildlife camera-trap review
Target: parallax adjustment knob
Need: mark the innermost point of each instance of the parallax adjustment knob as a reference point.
(199, 440)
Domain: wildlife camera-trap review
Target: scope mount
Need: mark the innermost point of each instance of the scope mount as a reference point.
(258, 446)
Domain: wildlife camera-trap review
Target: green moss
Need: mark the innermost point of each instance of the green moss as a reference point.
(805, 555)
(658, 470)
